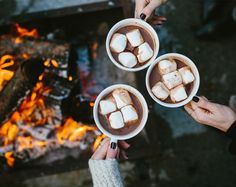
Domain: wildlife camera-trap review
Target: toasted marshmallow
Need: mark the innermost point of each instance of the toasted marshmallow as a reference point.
(167, 66)
(145, 52)
(121, 97)
(178, 94)
(186, 74)
(118, 42)
(172, 79)
(129, 113)
(160, 91)
(135, 38)
(127, 59)
(116, 120)
(107, 106)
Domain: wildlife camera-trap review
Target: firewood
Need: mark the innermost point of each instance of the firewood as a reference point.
(19, 87)
(29, 48)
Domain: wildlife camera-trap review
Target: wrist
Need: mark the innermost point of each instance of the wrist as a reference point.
(229, 124)
(224, 126)
(231, 132)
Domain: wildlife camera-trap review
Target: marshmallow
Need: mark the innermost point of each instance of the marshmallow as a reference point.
(121, 97)
(135, 38)
(116, 120)
(178, 94)
(127, 59)
(118, 42)
(172, 79)
(167, 66)
(129, 114)
(145, 52)
(107, 106)
(160, 91)
(187, 75)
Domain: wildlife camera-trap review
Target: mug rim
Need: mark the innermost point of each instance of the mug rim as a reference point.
(146, 27)
(194, 69)
(140, 98)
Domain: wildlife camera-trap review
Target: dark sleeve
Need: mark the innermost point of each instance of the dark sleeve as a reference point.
(231, 133)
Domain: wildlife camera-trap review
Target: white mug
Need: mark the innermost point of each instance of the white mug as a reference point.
(133, 22)
(135, 92)
(189, 63)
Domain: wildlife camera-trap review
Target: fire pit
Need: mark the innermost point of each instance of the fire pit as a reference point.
(33, 92)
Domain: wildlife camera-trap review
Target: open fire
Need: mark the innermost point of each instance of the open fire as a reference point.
(37, 126)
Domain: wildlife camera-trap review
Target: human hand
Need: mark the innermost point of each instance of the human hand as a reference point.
(145, 8)
(110, 151)
(212, 114)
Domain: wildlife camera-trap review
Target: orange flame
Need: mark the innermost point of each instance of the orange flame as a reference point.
(25, 56)
(25, 32)
(51, 62)
(10, 158)
(98, 141)
(5, 75)
(9, 132)
(70, 78)
(22, 32)
(72, 130)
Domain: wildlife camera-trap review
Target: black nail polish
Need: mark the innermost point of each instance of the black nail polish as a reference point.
(195, 99)
(142, 16)
(113, 145)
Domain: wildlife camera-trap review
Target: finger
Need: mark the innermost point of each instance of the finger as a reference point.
(201, 115)
(150, 8)
(139, 6)
(188, 109)
(101, 151)
(204, 98)
(112, 151)
(203, 103)
(123, 144)
(194, 105)
(118, 153)
(157, 20)
(124, 155)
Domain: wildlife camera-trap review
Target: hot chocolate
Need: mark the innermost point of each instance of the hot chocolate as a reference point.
(120, 112)
(171, 80)
(132, 46)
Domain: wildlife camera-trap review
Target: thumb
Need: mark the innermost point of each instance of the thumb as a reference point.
(150, 8)
(202, 102)
(112, 150)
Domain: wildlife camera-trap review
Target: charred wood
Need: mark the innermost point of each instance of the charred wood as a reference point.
(36, 48)
(19, 87)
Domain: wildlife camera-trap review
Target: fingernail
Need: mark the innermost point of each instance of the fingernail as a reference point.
(113, 145)
(142, 16)
(195, 99)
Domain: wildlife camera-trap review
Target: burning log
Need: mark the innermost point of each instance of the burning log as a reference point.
(25, 48)
(19, 87)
